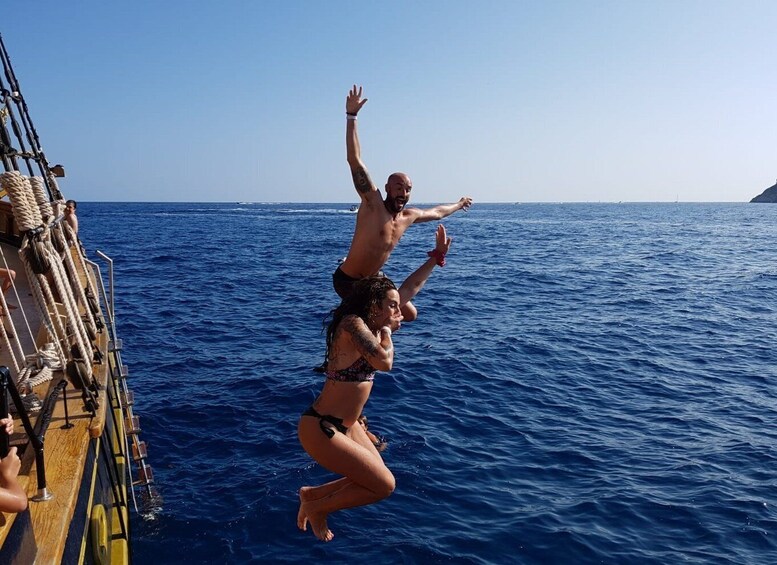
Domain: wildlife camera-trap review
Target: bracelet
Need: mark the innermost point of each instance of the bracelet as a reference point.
(439, 256)
(350, 116)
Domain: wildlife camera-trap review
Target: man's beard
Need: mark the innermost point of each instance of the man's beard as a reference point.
(393, 205)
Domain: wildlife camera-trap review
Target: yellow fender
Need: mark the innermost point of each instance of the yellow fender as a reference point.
(98, 527)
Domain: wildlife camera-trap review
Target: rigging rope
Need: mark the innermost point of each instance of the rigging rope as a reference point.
(75, 323)
(28, 200)
(26, 212)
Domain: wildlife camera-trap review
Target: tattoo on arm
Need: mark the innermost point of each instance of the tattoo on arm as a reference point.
(362, 337)
(365, 342)
(361, 179)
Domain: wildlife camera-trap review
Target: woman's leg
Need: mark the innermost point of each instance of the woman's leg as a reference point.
(366, 477)
(309, 494)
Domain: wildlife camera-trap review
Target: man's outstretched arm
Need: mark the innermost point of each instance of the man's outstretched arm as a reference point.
(361, 178)
(443, 210)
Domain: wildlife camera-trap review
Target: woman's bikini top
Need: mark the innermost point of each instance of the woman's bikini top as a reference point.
(360, 371)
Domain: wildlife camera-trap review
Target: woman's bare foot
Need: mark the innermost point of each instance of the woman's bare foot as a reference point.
(317, 520)
(318, 523)
(302, 519)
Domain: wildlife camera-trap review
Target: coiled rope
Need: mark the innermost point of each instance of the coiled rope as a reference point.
(41, 199)
(38, 257)
(25, 209)
(40, 367)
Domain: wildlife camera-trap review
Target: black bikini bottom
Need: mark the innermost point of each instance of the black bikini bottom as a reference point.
(336, 422)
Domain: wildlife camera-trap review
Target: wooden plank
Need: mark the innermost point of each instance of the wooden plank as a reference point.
(65, 456)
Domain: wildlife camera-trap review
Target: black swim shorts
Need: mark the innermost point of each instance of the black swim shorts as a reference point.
(344, 283)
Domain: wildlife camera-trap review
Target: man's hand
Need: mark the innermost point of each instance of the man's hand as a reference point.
(465, 201)
(354, 102)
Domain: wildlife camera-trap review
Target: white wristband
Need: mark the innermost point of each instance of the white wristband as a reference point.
(350, 116)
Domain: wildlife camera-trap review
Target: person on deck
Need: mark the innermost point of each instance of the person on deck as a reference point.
(380, 222)
(70, 216)
(12, 496)
(358, 343)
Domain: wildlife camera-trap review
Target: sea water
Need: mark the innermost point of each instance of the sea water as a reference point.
(586, 383)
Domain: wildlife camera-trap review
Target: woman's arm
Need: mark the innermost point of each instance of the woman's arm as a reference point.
(415, 282)
(379, 351)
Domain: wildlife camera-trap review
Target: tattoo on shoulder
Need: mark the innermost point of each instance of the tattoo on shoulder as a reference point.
(361, 180)
(348, 324)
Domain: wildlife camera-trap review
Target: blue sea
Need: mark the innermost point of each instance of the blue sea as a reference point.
(586, 383)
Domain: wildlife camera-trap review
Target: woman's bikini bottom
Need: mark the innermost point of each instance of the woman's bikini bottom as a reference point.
(336, 422)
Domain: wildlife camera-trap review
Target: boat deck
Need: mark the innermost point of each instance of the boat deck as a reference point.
(67, 447)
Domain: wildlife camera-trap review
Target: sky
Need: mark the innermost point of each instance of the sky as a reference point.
(503, 101)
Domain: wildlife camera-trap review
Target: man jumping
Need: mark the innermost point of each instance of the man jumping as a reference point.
(380, 222)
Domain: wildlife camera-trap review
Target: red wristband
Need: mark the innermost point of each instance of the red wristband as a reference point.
(439, 256)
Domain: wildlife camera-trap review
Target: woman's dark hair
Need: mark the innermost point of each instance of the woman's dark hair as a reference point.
(364, 295)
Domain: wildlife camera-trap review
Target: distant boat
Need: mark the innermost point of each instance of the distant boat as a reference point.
(354, 208)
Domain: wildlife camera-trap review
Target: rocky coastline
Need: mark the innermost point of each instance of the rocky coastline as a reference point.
(768, 196)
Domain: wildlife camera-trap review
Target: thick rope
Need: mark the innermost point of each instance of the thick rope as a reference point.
(32, 209)
(7, 343)
(22, 192)
(90, 286)
(26, 213)
(46, 356)
(73, 318)
(30, 377)
(42, 199)
(40, 367)
(40, 293)
(70, 235)
(75, 282)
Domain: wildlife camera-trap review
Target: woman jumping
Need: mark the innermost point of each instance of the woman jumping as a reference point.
(358, 343)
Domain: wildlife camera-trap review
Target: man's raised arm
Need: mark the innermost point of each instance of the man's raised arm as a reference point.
(443, 210)
(361, 178)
